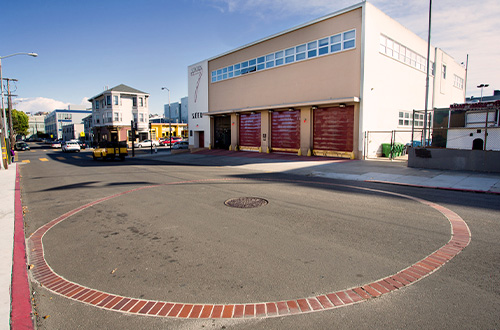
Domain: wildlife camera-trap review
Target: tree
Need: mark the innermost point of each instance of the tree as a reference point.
(20, 122)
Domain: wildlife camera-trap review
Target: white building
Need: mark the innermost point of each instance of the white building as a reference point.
(198, 124)
(113, 111)
(319, 87)
(73, 132)
(55, 120)
(36, 124)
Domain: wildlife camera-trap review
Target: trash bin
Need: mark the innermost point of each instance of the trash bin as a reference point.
(386, 149)
(398, 149)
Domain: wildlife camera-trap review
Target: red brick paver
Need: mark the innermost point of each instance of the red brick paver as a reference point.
(43, 274)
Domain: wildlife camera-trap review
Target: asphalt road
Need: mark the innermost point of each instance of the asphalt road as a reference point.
(176, 240)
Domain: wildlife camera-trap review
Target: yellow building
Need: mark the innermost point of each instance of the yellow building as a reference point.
(160, 130)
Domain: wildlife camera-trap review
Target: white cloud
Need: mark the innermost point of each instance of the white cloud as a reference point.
(85, 102)
(43, 104)
(265, 8)
(37, 104)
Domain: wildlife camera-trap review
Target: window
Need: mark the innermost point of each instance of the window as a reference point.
(108, 99)
(325, 46)
(444, 71)
(458, 82)
(406, 119)
(336, 43)
(269, 61)
(115, 100)
(134, 101)
(300, 52)
(398, 52)
(289, 55)
(312, 49)
(141, 117)
(141, 101)
(279, 58)
(117, 116)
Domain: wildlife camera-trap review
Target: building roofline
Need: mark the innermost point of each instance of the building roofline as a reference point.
(123, 89)
(298, 27)
(76, 111)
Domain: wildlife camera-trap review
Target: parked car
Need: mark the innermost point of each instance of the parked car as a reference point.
(163, 141)
(174, 139)
(82, 144)
(146, 143)
(56, 144)
(21, 145)
(71, 146)
(181, 145)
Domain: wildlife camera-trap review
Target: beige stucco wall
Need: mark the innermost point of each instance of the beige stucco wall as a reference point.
(324, 77)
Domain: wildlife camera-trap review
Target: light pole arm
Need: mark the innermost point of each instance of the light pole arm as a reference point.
(29, 54)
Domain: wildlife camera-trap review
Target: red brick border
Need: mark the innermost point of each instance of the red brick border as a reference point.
(21, 312)
(46, 277)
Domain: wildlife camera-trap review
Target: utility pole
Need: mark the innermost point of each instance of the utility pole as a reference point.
(424, 142)
(9, 107)
(3, 142)
(8, 139)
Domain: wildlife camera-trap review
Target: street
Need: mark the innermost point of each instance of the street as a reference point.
(166, 234)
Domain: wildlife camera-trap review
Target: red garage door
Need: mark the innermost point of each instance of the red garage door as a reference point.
(250, 130)
(285, 130)
(334, 129)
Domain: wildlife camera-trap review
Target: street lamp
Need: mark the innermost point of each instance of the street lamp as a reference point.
(482, 86)
(169, 118)
(427, 77)
(4, 122)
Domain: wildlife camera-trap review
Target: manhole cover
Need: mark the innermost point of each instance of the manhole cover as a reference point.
(246, 202)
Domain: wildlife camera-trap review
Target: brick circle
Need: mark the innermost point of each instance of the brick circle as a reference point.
(46, 277)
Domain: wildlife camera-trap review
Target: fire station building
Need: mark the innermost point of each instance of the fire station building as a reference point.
(317, 88)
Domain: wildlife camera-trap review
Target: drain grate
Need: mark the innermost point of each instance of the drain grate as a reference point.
(246, 202)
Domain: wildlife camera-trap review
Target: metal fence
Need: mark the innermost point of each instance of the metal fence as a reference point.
(389, 144)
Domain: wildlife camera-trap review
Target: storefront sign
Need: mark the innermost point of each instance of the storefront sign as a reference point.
(476, 106)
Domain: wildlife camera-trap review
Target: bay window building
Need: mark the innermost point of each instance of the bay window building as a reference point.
(115, 109)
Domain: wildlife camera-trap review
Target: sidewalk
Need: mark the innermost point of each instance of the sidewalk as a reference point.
(7, 194)
(381, 170)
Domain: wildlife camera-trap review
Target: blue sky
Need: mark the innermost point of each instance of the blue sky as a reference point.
(84, 46)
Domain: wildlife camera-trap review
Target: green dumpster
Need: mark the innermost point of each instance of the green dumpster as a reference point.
(386, 149)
